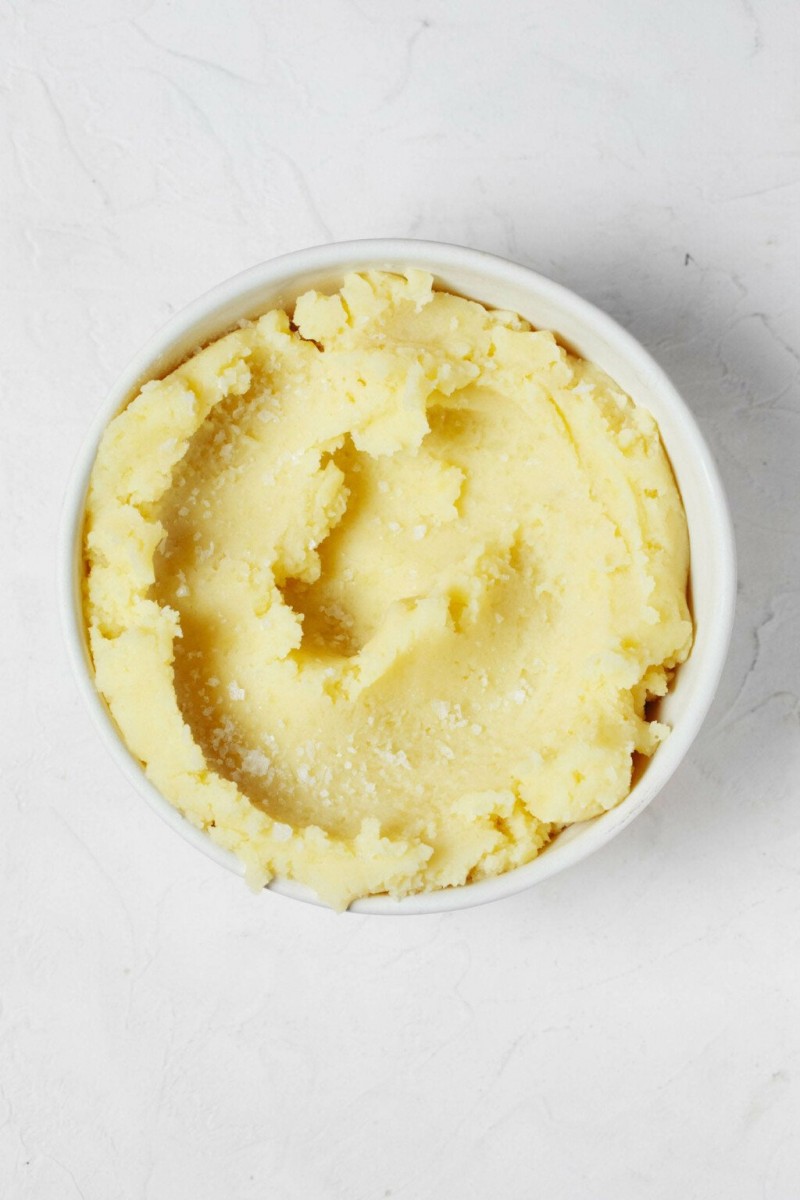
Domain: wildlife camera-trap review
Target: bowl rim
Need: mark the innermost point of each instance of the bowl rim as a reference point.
(432, 256)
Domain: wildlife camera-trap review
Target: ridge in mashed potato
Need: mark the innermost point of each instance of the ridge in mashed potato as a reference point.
(378, 594)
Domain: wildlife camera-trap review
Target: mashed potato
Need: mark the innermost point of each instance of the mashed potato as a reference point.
(378, 593)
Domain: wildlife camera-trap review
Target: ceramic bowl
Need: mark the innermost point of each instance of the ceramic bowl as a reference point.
(583, 329)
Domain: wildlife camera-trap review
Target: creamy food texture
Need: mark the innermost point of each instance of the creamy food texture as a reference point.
(377, 594)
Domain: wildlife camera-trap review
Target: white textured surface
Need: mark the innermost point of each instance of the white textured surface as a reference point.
(626, 1030)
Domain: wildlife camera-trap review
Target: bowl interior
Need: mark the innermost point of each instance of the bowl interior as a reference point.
(584, 330)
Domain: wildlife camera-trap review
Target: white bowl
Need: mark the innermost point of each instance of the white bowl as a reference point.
(584, 329)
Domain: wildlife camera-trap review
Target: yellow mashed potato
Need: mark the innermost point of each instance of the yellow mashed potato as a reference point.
(377, 594)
